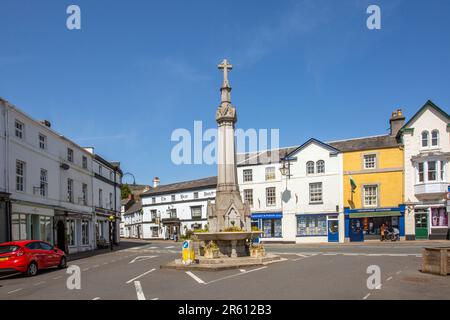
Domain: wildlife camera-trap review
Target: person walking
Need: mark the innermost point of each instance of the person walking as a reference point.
(383, 232)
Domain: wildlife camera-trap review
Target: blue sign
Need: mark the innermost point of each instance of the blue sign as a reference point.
(399, 208)
(185, 245)
(274, 215)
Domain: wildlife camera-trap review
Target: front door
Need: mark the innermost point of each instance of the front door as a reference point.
(356, 231)
(61, 236)
(421, 225)
(333, 231)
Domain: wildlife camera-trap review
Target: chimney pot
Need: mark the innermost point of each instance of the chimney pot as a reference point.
(156, 182)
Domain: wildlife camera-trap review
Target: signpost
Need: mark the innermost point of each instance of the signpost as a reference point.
(188, 252)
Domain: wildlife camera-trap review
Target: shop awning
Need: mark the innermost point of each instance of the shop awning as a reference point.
(375, 214)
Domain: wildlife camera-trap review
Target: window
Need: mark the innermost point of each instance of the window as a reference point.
(44, 183)
(195, 195)
(442, 171)
(100, 170)
(421, 171)
(84, 162)
(435, 138)
(196, 212)
(370, 161)
(320, 166)
(248, 175)
(69, 155)
(100, 198)
(84, 192)
(270, 197)
(19, 227)
(85, 232)
(311, 225)
(248, 196)
(432, 171)
(45, 246)
(173, 197)
(153, 200)
(19, 129)
(20, 176)
(110, 200)
(71, 232)
(42, 141)
(271, 228)
(173, 213)
(45, 229)
(371, 196)
(439, 217)
(70, 190)
(425, 139)
(315, 192)
(153, 214)
(270, 173)
(111, 175)
(310, 167)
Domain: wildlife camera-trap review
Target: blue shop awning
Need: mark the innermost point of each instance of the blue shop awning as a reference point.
(268, 215)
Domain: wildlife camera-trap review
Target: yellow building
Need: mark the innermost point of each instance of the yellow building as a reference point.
(373, 183)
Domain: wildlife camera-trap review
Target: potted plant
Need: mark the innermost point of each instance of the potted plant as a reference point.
(211, 250)
(257, 251)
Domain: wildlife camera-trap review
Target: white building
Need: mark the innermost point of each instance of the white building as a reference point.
(132, 213)
(302, 205)
(47, 182)
(176, 208)
(426, 139)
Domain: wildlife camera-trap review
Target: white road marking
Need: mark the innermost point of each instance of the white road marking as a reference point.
(97, 298)
(141, 258)
(398, 255)
(58, 277)
(10, 275)
(367, 296)
(329, 254)
(241, 270)
(398, 272)
(351, 254)
(154, 299)
(378, 287)
(39, 283)
(170, 247)
(389, 279)
(14, 291)
(85, 269)
(140, 276)
(193, 276)
(301, 255)
(96, 266)
(235, 275)
(139, 292)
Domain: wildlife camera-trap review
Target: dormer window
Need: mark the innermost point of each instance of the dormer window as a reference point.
(425, 137)
(435, 138)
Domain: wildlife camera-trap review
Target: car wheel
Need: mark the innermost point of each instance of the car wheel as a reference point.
(63, 263)
(32, 269)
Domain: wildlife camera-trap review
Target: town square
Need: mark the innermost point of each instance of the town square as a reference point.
(243, 161)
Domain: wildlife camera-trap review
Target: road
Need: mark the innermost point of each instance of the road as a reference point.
(305, 272)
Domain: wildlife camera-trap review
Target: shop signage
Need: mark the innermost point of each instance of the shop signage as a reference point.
(372, 210)
(275, 215)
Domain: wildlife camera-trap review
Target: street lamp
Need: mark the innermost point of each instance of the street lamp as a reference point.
(129, 173)
(111, 219)
(285, 169)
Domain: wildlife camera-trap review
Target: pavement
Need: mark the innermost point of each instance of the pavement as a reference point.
(314, 271)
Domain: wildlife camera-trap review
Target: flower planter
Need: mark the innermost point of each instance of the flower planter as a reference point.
(211, 253)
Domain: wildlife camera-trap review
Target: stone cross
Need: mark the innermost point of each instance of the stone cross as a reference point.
(225, 66)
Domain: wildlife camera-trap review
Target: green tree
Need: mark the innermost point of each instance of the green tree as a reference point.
(125, 191)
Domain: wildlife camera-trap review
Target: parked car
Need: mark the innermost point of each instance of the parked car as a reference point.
(30, 256)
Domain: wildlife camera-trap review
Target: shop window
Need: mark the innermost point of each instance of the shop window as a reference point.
(71, 232)
(271, 228)
(45, 229)
(308, 225)
(85, 232)
(19, 227)
(439, 217)
(371, 196)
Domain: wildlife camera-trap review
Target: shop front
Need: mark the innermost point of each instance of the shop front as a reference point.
(365, 224)
(171, 228)
(31, 223)
(269, 223)
(431, 222)
(322, 227)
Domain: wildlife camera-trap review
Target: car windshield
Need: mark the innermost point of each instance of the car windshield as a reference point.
(8, 249)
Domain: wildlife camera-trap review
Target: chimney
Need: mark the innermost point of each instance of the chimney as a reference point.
(156, 182)
(46, 123)
(397, 121)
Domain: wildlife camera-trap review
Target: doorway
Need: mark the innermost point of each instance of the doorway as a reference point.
(333, 231)
(421, 224)
(61, 236)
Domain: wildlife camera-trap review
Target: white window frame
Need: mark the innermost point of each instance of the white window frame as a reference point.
(100, 198)
(85, 236)
(435, 171)
(70, 195)
(43, 183)
(84, 162)
(320, 166)
(70, 155)
(21, 177)
(73, 236)
(247, 175)
(310, 167)
(19, 129)
(368, 198)
(271, 196)
(316, 193)
(42, 141)
(370, 161)
(270, 174)
(419, 173)
(435, 132)
(426, 139)
(84, 191)
(193, 208)
(248, 196)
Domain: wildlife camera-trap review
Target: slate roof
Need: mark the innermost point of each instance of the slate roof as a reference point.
(135, 207)
(367, 143)
(264, 157)
(182, 186)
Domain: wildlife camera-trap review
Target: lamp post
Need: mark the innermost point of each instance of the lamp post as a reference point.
(285, 169)
(129, 173)
(111, 219)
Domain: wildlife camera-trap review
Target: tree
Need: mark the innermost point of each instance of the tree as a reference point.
(125, 191)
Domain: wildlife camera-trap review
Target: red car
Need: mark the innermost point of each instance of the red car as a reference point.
(30, 256)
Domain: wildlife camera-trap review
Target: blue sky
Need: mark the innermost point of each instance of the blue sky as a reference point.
(140, 69)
